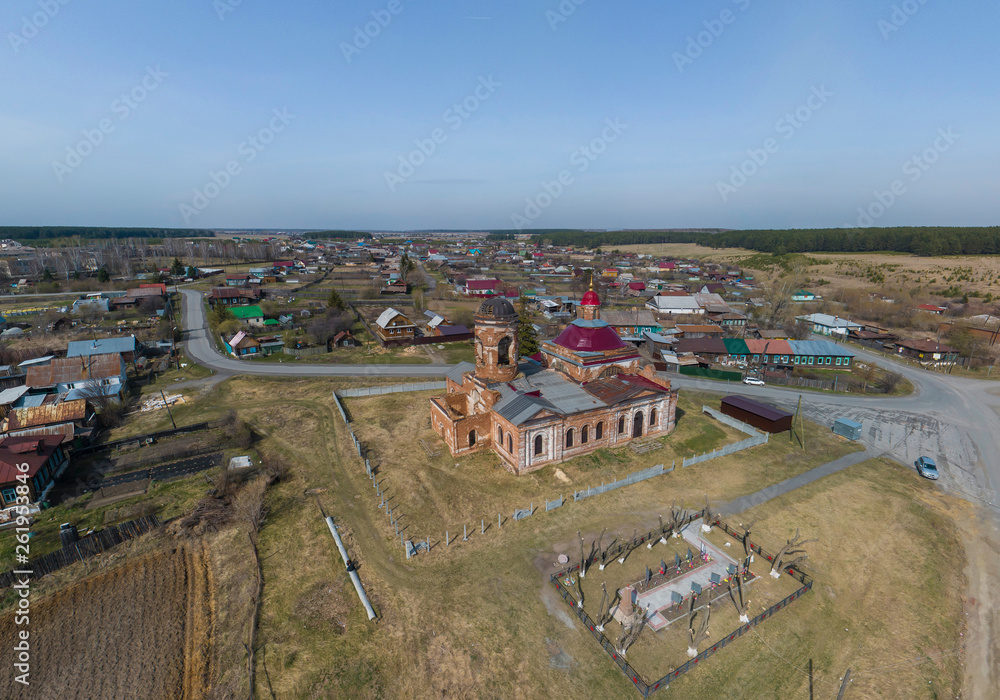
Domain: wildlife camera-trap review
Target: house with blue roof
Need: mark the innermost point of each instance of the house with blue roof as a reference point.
(127, 347)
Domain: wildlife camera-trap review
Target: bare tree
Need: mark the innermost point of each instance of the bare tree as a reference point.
(249, 506)
(695, 638)
(738, 595)
(747, 544)
(792, 547)
(607, 603)
(708, 517)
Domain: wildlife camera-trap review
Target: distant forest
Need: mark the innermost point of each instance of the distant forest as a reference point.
(348, 235)
(918, 240)
(41, 234)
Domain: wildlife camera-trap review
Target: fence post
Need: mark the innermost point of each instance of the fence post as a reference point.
(465, 533)
(482, 526)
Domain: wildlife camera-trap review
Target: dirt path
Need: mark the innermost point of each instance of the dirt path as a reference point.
(982, 657)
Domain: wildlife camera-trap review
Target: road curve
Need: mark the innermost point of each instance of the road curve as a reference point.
(201, 349)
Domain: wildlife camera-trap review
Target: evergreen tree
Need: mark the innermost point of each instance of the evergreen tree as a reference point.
(334, 301)
(192, 272)
(527, 339)
(177, 268)
(103, 276)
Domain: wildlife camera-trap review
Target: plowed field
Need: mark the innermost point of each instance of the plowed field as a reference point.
(142, 630)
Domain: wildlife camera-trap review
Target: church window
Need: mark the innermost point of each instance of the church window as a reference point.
(538, 445)
(569, 438)
(584, 434)
(599, 430)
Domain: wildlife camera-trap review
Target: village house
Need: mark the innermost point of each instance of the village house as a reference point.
(481, 287)
(674, 304)
(251, 315)
(46, 460)
(231, 296)
(81, 377)
(393, 328)
(632, 323)
(926, 351)
(825, 324)
(128, 347)
(587, 393)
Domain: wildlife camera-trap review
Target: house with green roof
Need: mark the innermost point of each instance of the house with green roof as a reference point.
(250, 315)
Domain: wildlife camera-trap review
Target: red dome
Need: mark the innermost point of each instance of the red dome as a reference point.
(590, 298)
(589, 336)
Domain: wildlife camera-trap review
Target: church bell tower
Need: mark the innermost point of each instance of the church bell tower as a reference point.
(496, 341)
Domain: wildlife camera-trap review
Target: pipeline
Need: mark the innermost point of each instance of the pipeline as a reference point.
(350, 569)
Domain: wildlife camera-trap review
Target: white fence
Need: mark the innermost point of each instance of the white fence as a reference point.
(394, 389)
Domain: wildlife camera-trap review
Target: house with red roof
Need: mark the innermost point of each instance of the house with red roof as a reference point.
(29, 467)
(482, 288)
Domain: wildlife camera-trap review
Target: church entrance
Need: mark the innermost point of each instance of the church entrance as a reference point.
(637, 425)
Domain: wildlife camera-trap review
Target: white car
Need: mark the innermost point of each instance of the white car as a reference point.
(753, 381)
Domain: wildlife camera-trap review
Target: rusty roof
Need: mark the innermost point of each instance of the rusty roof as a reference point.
(75, 369)
(613, 390)
(47, 414)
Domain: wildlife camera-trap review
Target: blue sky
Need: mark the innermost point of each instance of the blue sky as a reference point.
(321, 124)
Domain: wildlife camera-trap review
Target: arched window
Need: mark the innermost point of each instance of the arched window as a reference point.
(584, 434)
(569, 438)
(538, 445)
(472, 438)
(499, 434)
(652, 417)
(510, 443)
(621, 425)
(612, 371)
(503, 351)
(637, 425)
(599, 430)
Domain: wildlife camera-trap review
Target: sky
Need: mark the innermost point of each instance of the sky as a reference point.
(490, 114)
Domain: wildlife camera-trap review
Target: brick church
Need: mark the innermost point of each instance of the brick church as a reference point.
(587, 392)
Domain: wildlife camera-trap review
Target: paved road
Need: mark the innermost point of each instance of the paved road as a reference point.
(201, 349)
(952, 419)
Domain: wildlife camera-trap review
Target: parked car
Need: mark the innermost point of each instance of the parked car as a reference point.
(927, 468)
(753, 381)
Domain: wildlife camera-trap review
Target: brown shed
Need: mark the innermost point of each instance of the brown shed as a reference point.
(760, 415)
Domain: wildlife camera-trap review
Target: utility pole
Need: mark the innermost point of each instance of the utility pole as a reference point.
(169, 413)
(843, 686)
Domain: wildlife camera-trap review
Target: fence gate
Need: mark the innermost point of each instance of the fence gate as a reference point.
(522, 513)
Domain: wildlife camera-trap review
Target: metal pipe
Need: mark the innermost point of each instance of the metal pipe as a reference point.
(350, 569)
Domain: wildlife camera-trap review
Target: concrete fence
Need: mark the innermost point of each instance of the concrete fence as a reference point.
(394, 389)
(633, 478)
